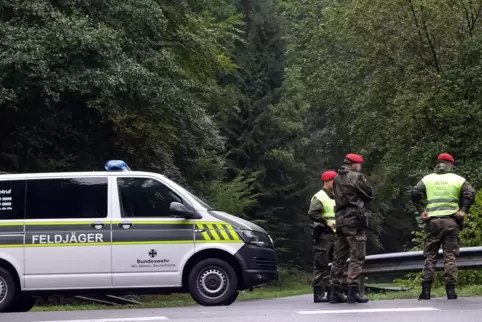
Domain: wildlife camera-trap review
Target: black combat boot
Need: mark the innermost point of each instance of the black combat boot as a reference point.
(354, 295)
(335, 296)
(450, 289)
(319, 294)
(425, 295)
(344, 292)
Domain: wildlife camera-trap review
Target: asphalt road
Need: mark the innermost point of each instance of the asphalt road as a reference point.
(299, 308)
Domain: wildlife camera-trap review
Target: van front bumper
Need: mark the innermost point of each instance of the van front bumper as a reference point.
(258, 265)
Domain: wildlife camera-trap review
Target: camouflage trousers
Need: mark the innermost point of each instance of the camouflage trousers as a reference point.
(322, 256)
(350, 242)
(441, 232)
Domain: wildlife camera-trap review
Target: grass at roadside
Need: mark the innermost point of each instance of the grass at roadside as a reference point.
(158, 301)
(176, 300)
(291, 283)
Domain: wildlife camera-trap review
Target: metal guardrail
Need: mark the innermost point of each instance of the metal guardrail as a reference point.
(409, 262)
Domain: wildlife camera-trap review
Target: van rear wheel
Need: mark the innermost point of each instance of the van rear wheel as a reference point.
(213, 282)
(8, 290)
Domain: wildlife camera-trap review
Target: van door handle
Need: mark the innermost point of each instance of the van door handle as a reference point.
(125, 225)
(97, 225)
(200, 230)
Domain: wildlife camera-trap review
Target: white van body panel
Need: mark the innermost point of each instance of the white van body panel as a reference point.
(119, 261)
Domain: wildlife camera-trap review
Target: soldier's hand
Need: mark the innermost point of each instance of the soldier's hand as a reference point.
(424, 215)
(332, 226)
(460, 214)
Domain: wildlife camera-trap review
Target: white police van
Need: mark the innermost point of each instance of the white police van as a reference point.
(121, 231)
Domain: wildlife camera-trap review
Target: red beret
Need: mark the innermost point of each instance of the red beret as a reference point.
(446, 157)
(355, 158)
(328, 175)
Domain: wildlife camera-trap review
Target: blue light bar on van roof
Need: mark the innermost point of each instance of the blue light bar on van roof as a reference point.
(116, 165)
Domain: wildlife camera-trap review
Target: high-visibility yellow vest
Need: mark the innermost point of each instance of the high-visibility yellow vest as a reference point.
(328, 206)
(443, 191)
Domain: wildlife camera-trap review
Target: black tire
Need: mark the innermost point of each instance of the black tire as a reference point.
(232, 299)
(223, 283)
(8, 290)
(23, 303)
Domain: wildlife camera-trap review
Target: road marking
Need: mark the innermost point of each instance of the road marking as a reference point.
(156, 318)
(408, 309)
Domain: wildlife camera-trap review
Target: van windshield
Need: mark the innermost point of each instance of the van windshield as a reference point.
(203, 203)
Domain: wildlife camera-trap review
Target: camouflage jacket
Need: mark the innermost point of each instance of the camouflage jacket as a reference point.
(352, 192)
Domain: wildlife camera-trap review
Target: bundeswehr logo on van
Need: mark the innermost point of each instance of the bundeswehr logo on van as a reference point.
(153, 263)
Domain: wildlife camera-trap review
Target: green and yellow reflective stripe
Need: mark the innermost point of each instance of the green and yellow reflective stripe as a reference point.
(65, 223)
(154, 242)
(166, 222)
(204, 233)
(11, 245)
(173, 233)
(141, 222)
(213, 230)
(218, 241)
(222, 232)
(6, 224)
(67, 244)
(164, 242)
(161, 242)
(233, 233)
(90, 221)
(443, 200)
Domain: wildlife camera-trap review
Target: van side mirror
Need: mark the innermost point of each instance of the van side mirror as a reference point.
(177, 209)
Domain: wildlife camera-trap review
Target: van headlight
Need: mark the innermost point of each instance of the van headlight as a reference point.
(255, 238)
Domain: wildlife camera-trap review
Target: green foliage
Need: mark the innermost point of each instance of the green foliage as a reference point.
(236, 196)
(190, 89)
(84, 82)
(397, 81)
(289, 277)
(246, 102)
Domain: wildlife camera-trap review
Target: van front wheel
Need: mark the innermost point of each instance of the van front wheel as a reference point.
(7, 290)
(23, 303)
(213, 282)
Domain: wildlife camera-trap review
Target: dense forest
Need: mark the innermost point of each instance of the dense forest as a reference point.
(246, 102)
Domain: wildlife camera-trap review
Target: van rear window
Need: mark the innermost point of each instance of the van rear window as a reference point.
(12, 200)
(74, 198)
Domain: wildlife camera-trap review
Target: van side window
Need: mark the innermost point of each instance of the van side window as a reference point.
(12, 200)
(74, 198)
(143, 197)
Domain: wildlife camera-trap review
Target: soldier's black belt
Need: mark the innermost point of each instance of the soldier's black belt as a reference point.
(442, 217)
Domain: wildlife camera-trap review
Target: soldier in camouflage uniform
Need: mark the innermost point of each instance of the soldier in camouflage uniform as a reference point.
(352, 192)
(322, 213)
(448, 197)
